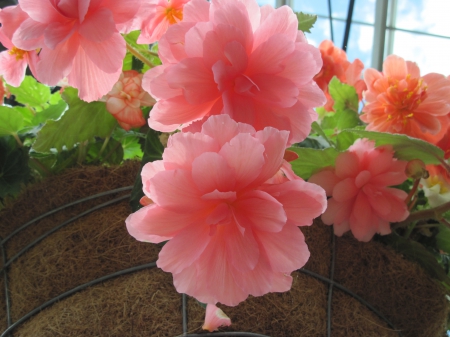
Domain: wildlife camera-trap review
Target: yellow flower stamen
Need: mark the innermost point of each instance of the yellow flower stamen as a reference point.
(19, 53)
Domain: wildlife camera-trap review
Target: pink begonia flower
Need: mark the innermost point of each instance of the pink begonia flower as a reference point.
(14, 61)
(437, 185)
(399, 100)
(125, 99)
(214, 318)
(231, 222)
(80, 40)
(233, 57)
(358, 186)
(158, 16)
(335, 63)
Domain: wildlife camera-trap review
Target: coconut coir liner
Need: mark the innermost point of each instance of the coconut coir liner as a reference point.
(146, 304)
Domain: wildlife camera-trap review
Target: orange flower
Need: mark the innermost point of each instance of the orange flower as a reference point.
(335, 63)
(399, 100)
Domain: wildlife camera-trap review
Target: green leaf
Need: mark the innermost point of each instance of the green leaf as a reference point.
(318, 129)
(416, 252)
(81, 122)
(153, 150)
(14, 170)
(306, 22)
(53, 112)
(111, 154)
(142, 49)
(345, 139)
(31, 93)
(443, 238)
(406, 148)
(345, 104)
(311, 160)
(11, 121)
(131, 148)
(27, 114)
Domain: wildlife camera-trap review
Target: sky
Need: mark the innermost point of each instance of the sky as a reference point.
(432, 54)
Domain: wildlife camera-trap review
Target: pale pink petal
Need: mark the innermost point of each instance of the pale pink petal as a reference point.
(175, 191)
(281, 21)
(29, 35)
(184, 249)
(183, 148)
(326, 178)
(155, 82)
(337, 212)
(106, 55)
(244, 155)
(196, 11)
(41, 11)
(301, 73)
(12, 70)
(57, 33)
(286, 250)
(347, 165)
(148, 171)
(361, 219)
(155, 224)
(259, 210)
(56, 64)
(215, 318)
(413, 69)
(242, 249)
(210, 172)
(122, 11)
(301, 201)
(275, 90)
(99, 26)
(223, 128)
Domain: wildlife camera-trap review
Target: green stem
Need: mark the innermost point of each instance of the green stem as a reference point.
(409, 230)
(16, 137)
(432, 213)
(139, 56)
(40, 166)
(413, 191)
(82, 149)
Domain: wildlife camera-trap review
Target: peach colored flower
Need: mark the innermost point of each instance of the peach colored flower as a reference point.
(335, 63)
(125, 99)
(80, 40)
(358, 186)
(399, 100)
(158, 16)
(232, 230)
(214, 318)
(233, 57)
(14, 61)
(437, 185)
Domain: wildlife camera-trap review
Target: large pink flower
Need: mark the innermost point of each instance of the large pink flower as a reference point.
(80, 40)
(361, 200)
(125, 99)
(158, 15)
(399, 100)
(233, 57)
(14, 61)
(232, 230)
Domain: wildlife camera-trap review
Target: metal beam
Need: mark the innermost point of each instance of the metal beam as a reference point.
(379, 34)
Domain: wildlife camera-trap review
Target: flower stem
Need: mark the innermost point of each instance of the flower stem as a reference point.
(433, 213)
(16, 137)
(139, 56)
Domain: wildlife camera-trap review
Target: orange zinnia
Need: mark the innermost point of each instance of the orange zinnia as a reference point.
(399, 100)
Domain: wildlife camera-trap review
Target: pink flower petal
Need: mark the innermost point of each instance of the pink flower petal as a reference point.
(244, 155)
(210, 172)
(185, 248)
(215, 318)
(259, 210)
(286, 250)
(12, 70)
(99, 26)
(155, 224)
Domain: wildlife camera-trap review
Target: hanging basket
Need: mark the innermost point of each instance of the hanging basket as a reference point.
(77, 272)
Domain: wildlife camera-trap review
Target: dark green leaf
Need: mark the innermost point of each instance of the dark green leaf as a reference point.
(153, 150)
(31, 93)
(14, 170)
(443, 238)
(311, 160)
(111, 154)
(11, 121)
(81, 122)
(406, 148)
(306, 22)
